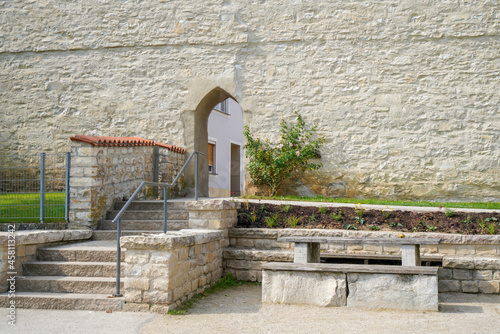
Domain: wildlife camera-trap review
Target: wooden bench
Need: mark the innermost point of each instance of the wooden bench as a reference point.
(307, 249)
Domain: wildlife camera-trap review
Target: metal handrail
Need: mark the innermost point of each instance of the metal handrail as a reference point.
(118, 218)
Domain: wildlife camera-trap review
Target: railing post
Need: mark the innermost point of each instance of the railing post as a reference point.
(164, 209)
(156, 169)
(196, 179)
(42, 187)
(118, 257)
(66, 203)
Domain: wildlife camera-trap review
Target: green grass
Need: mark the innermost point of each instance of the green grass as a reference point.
(223, 283)
(469, 205)
(25, 207)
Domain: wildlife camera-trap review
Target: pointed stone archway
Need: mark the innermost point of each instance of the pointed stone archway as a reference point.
(196, 127)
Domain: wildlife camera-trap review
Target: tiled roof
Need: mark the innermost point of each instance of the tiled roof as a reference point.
(171, 148)
(123, 142)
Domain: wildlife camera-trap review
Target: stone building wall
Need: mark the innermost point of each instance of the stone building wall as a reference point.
(405, 92)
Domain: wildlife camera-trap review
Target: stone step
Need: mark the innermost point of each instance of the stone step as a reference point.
(111, 235)
(144, 225)
(88, 251)
(65, 284)
(64, 268)
(63, 301)
(152, 205)
(148, 215)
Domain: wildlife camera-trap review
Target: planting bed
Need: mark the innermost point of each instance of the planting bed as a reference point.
(252, 215)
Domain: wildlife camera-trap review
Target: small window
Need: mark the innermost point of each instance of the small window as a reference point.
(223, 107)
(211, 158)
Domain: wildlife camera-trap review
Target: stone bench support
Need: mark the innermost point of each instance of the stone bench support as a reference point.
(366, 286)
(307, 248)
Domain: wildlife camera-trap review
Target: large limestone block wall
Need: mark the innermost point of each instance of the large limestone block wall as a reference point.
(405, 92)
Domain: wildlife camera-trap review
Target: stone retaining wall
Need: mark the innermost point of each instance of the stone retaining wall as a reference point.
(101, 175)
(162, 271)
(26, 244)
(470, 263)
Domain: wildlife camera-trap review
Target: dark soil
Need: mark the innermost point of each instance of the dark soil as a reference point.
(253, 215)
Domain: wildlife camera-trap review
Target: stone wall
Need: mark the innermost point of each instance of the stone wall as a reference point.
(101, 175)
(162, 271)
(471, 264)
(404, 92)
(26, 244)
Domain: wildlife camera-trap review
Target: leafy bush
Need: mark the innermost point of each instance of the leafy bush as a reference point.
(272, 163)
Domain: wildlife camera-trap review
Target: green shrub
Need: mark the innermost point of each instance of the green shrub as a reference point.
(271, 164)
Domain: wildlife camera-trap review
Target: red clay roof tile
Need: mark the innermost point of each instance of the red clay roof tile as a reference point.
(123, 142)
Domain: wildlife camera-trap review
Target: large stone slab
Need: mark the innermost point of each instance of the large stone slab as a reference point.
(393, 291)
(312, 288)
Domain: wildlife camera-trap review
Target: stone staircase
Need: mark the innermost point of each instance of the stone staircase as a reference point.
(143, 216)
(82, 276)
(79, 276)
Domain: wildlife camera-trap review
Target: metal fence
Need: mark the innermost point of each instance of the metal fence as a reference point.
(34, 187)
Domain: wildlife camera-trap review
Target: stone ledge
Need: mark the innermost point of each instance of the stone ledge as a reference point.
(257, 255)
(212, 204)
(471, 262)
(45, 236)
(350, 268)
(279, 233)
(174, 239)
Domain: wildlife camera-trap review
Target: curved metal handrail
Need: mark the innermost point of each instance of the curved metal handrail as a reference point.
(118, 218)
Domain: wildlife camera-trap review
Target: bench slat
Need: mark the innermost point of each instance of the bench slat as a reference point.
(342, 240)
(351, 268)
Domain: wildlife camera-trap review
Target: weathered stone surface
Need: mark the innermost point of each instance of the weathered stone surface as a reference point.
(449, 286)
(393, 125)
(401, 292)
(285, 287)
(46, 236)
(463, 274)
(458, 262)
(470, 287)
(489, 286)
(487, 263)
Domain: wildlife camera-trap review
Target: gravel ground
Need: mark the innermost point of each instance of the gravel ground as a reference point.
(239, 310)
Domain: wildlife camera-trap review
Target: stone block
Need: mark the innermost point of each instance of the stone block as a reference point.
(157, 297)
(447, 249)
(484, 275)
(492, 263)
(445, 274)
(312, 288)
(139, 257)
(489, 286)
(462, 274)
(390, 291)
(458, 262)
(133, 296)
(164, 257)
(470, 286)
(487, 250)
(496, 275)
(428, 249)
(449, 286)
(136, 283)
(246, 243)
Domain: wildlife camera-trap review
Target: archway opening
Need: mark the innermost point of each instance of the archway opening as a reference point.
(220, 172)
